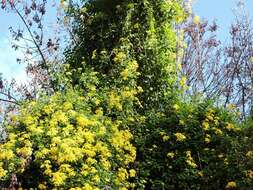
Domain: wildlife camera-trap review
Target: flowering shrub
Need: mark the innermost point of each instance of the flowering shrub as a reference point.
(243, 157)
(129, 43)
(60, 143)
(190, 146)
(123, 70)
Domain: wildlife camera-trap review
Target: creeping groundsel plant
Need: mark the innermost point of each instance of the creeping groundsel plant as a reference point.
(67, 146)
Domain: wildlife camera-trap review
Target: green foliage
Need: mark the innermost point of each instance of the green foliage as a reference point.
(118, 99)
(111, 32)
(192, 146)
(59, 142)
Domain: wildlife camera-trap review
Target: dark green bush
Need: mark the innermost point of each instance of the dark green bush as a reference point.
(193, 146)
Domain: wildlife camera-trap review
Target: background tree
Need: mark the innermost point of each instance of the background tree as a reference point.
(218, 70)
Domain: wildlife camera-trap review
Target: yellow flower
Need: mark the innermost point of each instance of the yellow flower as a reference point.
(179, 66)
(226, 161)
(42, 186)
(207, 140)
(60, 117)
(58, 178)
(170, 155)
(231, 185)
(114, 101)
(99, 112)
(190, 163)
(196, 20)
(140, 89)
(180, 137)
(200, 173)
(88, 136)
(2, 172)
(162, 133)
(105, 164)
(67, 106)
(94, 54)
(229, 126)
(125, 74)
(205, 125)
(249, 174)
(189, 159)
(231, 106)
(29, 120)
(66, 168)
(128, 94)
(132, 173)
(25, 151)
(48, 109)
(182, 82)
(119, 57)
(82, 121)
(102, 130)
(209, 117)
(122, 174)
(87, 187)
(91, 161)
(216, 122)
(218, 132)
(181, 122)
(165, 138)
(96, 101)
(96, 179)
(133, 65)
(249, 154)
(6, 155)
(176, 107)
(251, 59)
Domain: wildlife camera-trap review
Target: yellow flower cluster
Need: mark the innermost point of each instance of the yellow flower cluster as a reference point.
(249, 154)
(231, 185)
(127, 67)
(125, 74)
(211, 123)
(71, 145)
(210, 117)
(196, 20)
(249, 174)
(189, 159)
(114, 101)
(176, 107)
(180, 137)
(117, 99)
(130, 94)
(232, 127)
(207, 138)
(165, 137)
(183, 83)
(129, 70)
(171, 155)
(120, 56)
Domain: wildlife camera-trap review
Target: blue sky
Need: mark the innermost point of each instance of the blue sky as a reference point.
(8, 56)
(8, 64)
(221, 10)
